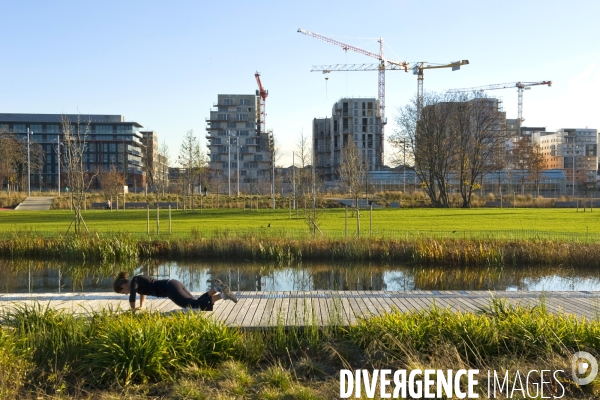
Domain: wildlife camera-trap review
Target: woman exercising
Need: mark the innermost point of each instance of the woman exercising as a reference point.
(171, 288)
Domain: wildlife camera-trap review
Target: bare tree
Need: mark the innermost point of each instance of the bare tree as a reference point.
(192, 159)
(302, 174)
(433, 143)
(481, 133)
(352, 173)
(11, 157)
(537, 166)
(78, 179)
(521, 158)
(162, 180)
(453, 135)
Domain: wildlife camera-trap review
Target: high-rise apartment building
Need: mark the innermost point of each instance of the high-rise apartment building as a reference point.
(239, 153)
(353, 119)
(112, 142)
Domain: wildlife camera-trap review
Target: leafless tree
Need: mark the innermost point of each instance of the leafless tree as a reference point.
(11, 157)
(352, 172)
(164, 158)
(453, 135)
(78, 179)
(537, 166)
(192, 159)
(481, 133)
(521, 160)
(433, 143)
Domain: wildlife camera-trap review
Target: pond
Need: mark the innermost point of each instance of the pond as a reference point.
(53, 277)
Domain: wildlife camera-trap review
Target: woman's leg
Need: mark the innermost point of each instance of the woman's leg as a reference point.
(179, 295)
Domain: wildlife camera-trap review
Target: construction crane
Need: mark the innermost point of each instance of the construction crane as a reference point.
(417, 69)
(521, 86)
(262, 93)
(381, 67)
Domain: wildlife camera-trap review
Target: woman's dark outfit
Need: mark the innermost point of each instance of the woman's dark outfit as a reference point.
(171, 288)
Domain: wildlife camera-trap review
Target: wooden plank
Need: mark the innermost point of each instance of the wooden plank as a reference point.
(246, 322)
(260, 309)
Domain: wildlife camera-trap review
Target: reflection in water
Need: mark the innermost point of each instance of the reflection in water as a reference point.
(54, 277)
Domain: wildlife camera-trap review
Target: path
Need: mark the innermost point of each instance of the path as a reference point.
(35, 204)
(260, 309)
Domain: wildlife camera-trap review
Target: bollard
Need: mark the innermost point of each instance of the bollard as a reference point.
(346, 223)
(371, 220)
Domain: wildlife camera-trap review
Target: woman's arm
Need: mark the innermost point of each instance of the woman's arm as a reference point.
(142, 300)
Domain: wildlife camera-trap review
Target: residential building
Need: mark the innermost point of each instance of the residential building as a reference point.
(237, 147)
(353, 119)
(155, 164)
(575, 151)
(112, 142)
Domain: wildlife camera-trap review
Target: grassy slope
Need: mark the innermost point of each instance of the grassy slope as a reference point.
(556, 220)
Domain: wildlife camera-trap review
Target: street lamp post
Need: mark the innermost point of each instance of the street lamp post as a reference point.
(294, 179)
(573, 174)
(237, 152)
(229, 163)
(58, 144)
(28, 166)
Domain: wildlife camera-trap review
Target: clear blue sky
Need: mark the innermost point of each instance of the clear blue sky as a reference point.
(162, 64)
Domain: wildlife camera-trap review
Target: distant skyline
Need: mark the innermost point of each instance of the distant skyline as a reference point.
(163, 64)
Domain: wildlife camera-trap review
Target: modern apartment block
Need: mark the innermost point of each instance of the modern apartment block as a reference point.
(353, 119)
(155, 164)
(575, 151)
(111, 142)
(237, 147)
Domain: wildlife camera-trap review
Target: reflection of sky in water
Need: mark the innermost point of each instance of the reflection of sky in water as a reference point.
(306, 276)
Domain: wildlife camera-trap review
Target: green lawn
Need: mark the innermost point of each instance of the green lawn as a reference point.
(480, 219)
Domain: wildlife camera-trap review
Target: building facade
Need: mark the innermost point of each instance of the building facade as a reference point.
(353, 119)
(575, 152)
(112, 142)
(155, 163)
(240, 155)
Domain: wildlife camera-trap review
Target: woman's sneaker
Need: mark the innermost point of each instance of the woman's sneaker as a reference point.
(227, 293)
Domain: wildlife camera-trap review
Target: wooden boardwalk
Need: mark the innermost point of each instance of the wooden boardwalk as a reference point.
(262, 309)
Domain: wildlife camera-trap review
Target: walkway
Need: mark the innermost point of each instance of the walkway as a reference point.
(35, 204)
(261, 309)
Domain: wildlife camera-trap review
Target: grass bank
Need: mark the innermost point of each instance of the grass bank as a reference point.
(188, 355)
(282, 250)
(480, 222)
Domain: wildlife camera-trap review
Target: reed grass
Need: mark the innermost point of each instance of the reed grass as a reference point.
(187, 355)
(285, 251)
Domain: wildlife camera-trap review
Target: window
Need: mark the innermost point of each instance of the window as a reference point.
(223, 109)
(242, 173)
(258, 157)
(356, 113)
(244, 102)
(249, 125)
(223, 116)
(242, 117)
(228, 102)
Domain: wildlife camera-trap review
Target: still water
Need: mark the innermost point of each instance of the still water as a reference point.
(54, 277)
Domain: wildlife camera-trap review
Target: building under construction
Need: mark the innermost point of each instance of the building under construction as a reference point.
(239, 149)
(353, 119)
